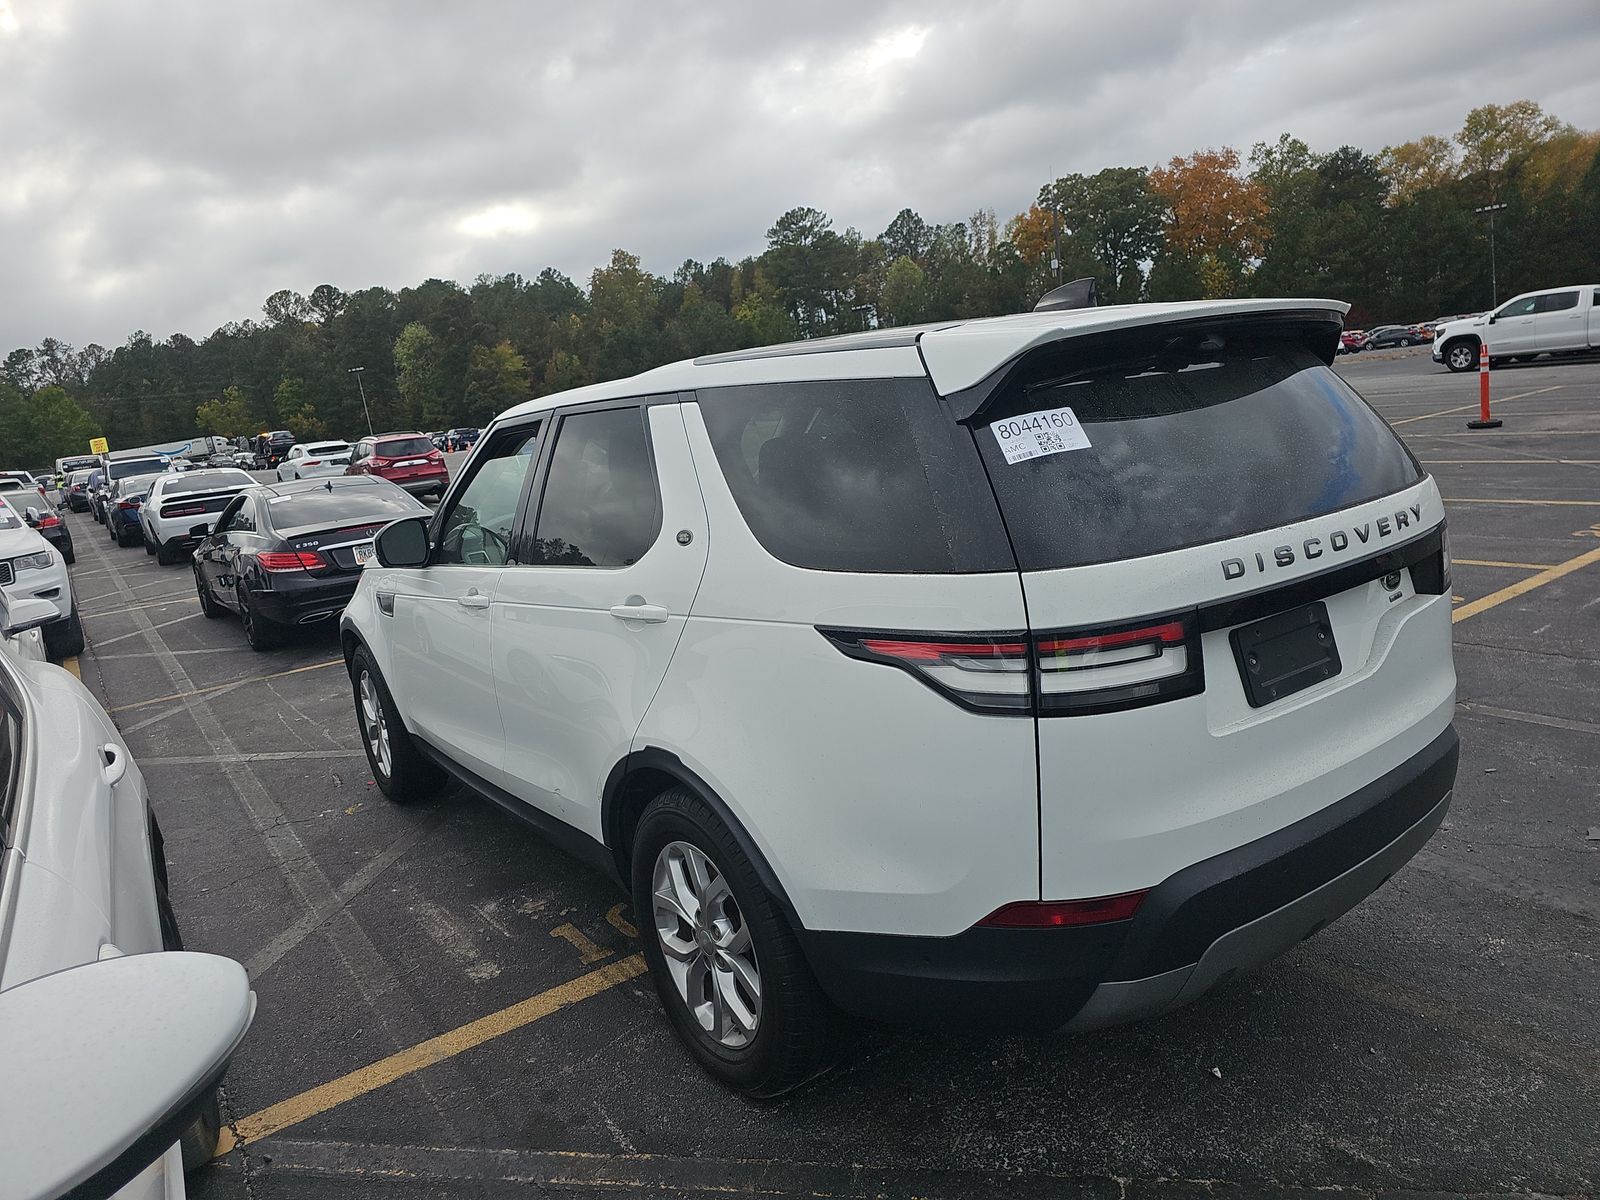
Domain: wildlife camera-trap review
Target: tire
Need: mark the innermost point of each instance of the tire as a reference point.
(1403, 343)
(400, 772)
(199, 1141)
(165, 554)
(63, 639)
(208, 607)
(149, 546)
(262, 634)
(1461, 356)
(68, 554)
(792, 1020)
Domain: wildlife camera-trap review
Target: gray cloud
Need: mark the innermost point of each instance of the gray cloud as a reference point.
(170, 164)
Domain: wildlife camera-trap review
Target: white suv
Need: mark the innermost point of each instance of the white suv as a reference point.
(1041, 671)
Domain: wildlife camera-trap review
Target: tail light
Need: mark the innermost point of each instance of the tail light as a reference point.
(127, 504)
(291, 560)
(1055, 914)
(982, 672)
(311, 462)
(435, 456)
(1120, 666)
(1064, 672)
(49, 521)
(188, 510)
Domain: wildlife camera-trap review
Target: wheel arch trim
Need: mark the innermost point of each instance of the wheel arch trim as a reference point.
(614, 812)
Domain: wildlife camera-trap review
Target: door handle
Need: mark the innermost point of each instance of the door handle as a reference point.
(637, 610)
(116, 764)
(474, 599)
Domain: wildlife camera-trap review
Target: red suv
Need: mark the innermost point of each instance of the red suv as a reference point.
(408, 459)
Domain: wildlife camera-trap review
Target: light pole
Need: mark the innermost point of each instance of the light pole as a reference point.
(356, 371)
(1494, 283)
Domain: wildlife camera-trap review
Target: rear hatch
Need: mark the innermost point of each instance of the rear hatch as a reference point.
(197, 504)
(409, 458)
(1236, 585)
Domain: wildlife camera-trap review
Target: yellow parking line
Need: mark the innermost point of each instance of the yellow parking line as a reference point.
(1492, 562)
(1523, 586)
(320, 1099)
(1445, 412)
(1496, 500)
(71, 664)
(232, 683)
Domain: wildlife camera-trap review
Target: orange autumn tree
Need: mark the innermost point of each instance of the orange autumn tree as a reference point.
(1216, 226)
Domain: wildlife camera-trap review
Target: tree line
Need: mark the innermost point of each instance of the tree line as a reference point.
(1398, 234)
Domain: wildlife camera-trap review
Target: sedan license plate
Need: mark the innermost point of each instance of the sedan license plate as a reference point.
(364, 553)
(1285, 653)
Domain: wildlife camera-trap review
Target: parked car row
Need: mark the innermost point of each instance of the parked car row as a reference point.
(1384, 337)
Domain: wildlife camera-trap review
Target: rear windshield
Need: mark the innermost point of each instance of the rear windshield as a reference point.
(205, 481)
(327, 448)
(401, 447)
(856, 475)
(343, 506)
(1210, 444)
(136, 466)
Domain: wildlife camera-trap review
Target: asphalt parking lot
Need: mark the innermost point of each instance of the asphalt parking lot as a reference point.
(451, 1007)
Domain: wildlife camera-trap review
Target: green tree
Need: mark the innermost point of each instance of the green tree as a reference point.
(497, 378)
(417, 376)
(227, 415)
(904, 293)
(37, 429)
(305, 424)
(1115, 219)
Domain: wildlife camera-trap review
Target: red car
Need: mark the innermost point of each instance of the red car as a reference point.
(1352, 341)
(407, 459)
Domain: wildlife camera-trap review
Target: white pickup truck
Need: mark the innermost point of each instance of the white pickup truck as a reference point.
(1564, 320)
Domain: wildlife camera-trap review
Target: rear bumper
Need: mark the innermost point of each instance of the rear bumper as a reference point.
(304, 601)
(418, 484)
(1195, 930)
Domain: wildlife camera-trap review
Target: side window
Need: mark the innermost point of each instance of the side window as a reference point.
(855, 475)
(476, 531)
(10, 765)
(1558, 302)
(1520, 308)
(600, 506)
(243, 519)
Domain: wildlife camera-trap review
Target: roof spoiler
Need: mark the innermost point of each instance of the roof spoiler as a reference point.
(1315, 328)
(1080, 293)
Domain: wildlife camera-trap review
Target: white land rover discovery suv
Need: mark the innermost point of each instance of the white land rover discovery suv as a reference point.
(1040, 671)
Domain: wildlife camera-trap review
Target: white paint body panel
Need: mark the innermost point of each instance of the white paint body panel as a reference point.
(1129, 798)
(78, 874)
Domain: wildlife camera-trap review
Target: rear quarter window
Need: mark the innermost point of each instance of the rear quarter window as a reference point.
(867, 475)
(1214, 443)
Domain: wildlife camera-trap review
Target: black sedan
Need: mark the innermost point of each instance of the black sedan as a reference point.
(1384, 336)
(287, 554)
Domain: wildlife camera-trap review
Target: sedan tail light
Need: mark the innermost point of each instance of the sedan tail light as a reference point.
(311, 462)
(291, 560)
(1059, 673)
(49, 521)
(127, 504)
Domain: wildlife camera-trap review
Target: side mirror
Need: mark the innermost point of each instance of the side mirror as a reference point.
(19, 615)
(199, 531)
(32, 516)
(108, 1063)
(403, 543)
(1491, 318)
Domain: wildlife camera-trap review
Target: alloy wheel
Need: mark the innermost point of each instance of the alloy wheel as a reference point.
(374, 726)
(709, 952)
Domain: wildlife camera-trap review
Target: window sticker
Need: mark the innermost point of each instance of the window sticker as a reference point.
(1036, 434)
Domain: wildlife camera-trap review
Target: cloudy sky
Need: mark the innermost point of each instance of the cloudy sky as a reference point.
(168, 164)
